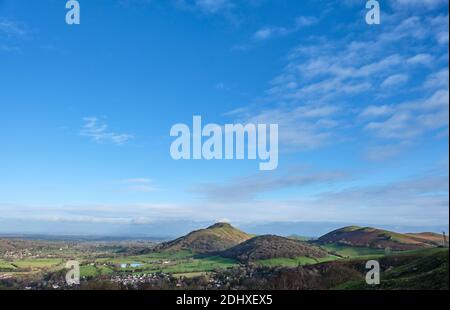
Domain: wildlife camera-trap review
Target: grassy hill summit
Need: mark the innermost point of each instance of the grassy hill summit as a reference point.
(378, 239)
(215, 238)
(271, 246)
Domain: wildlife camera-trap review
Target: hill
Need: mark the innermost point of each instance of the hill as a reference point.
(215, 238)
(377, 239)
(270, 246)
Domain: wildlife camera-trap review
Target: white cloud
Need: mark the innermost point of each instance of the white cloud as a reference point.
(9, 48)
(140, 185)
(131, 3)
(269, 32)
(421, 59)
(306, 21)
(206, 6)
(439, 26)
(98, 132)
(438, 79)
(97, 213)
(11, 33)
(429, 4)
(213, 6)
(395, 80)
(137, 180)
(412, 119)
(376, 111)
(379, 153)
(327, 73)
(301, 127)
(11, 28)
(248, 188)
(417, 200)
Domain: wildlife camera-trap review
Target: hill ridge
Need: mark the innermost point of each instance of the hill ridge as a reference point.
(377, 238)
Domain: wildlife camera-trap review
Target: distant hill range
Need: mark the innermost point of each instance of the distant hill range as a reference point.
(270, 246)
(227, 241)
(216, 238)
(380, 239)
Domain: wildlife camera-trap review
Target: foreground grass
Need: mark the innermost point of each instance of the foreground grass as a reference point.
(6, 266)
(351, 251)
(37, 262)
(425, 269)
(294, 262)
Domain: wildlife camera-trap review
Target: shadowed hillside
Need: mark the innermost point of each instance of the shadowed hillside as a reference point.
(377, 239)
(270, 246)
(425, 269)
(215, 238)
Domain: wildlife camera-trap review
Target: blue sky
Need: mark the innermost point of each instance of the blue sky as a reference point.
(86, 111)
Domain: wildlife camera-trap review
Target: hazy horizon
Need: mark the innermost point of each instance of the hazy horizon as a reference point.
(168, 230)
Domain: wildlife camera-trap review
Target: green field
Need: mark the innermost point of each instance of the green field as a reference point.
(179, 262)
(6, 266)
(38, 262)
(350, 251)
(94, 270)
(197, 265)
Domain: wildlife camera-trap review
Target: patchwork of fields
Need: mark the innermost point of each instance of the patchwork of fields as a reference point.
(247, 262)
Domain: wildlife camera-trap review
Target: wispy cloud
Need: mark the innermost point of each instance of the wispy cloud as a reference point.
(382, 152)
(11, 33)
(98, 131)
(206, 6)
(411, 119)
(248, 188)
(11, 28)
(139, 185)
(420, 191)
(438, 79)
(421, 59)
(323, 73)
(302, 127)
(269, 32)
(131, 3)
(138, 213)
(428, 4)
(395, 80)
(376, 111)
(418, 200)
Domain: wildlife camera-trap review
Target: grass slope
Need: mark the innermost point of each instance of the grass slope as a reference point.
(414, 270)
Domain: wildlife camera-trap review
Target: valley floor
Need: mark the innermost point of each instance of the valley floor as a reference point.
(122, 266)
